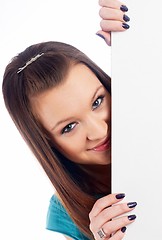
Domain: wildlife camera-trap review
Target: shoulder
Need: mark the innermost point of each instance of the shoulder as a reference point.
(58, 220)
(56, 214)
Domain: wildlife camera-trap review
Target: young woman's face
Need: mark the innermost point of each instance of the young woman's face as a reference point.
(77, 115)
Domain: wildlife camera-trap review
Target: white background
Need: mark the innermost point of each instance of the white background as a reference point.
(24, 189)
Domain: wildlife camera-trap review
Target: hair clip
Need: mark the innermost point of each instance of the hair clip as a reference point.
(29, 62)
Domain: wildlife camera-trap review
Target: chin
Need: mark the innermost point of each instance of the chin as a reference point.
(106, 163)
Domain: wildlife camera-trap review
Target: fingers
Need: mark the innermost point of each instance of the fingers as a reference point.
(114, 229)
(106, 217)
(111, 14)
(105, 202)
(113, 18)
(119, 234)
(106, 36)
(112, 212)
(111, 4)
(117, 224)
(113, 26)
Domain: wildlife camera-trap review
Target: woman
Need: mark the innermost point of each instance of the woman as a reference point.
(60, 102)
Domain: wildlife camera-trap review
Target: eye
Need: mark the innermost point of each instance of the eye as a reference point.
(68, 128)
(97, 102)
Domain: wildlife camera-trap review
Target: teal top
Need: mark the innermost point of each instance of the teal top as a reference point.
(58, 220)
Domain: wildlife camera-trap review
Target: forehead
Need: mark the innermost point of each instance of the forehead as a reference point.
(80, 77)
(67, 98)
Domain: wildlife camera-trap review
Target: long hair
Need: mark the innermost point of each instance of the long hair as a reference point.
(69, 180)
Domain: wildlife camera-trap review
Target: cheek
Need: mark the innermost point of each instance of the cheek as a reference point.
(73, 144)
(108, 108)
(71, 150)
(106, 112)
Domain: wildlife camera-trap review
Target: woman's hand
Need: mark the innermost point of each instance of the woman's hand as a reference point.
(113, 18)
(105, 217)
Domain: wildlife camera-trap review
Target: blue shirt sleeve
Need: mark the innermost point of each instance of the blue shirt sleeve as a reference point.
(58, 220)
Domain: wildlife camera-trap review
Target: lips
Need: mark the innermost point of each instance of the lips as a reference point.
(103, 146)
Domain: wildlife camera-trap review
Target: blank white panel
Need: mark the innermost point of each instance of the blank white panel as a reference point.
(137, 117)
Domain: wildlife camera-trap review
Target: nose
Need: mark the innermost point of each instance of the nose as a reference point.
(96, 128)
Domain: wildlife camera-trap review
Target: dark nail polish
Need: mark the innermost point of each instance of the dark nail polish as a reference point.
(100, 35)
(125, 26)
(123, 229)
(131, 217)
(120, 195)
(132, 204)
(123, 8)
(126, 18)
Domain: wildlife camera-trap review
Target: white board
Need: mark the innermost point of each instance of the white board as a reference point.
(137, 117)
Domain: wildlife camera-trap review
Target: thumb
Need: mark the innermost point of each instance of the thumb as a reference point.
(106, 36)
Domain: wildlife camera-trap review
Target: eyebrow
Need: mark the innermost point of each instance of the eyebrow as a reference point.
(69, 118)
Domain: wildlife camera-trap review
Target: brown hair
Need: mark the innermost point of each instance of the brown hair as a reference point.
(69, 180)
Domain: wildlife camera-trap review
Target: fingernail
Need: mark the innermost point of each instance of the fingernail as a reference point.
(98, 34)
(123, 229)
(125, 26)
(131, 217)
(123, 8)
(132, 204)
(126, 18)
(120, 195)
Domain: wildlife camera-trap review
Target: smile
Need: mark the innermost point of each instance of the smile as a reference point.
(106, 145)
